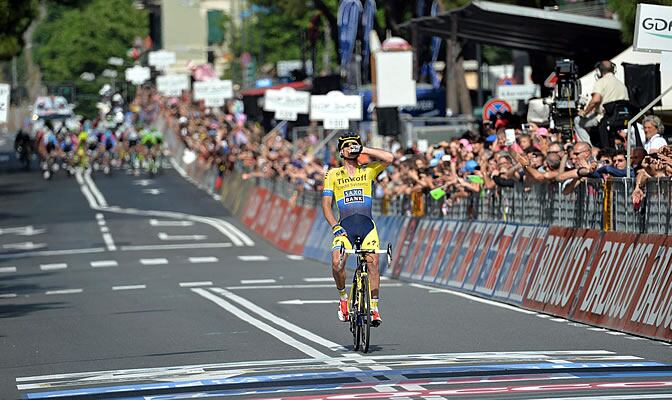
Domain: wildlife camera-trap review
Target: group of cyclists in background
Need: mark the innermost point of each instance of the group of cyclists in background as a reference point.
(103, 146)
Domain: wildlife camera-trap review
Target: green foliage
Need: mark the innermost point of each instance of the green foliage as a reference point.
(82, 39)
(15, 18)
(627, 11)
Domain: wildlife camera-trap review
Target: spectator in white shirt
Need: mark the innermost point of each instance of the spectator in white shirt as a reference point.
(653, 129)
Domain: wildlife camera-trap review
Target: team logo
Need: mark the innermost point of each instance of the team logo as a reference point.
(353, 196)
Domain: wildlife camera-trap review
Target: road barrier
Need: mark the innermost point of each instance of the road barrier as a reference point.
(620, 281)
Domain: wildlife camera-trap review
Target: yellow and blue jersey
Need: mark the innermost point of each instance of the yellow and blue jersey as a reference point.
(354, 194)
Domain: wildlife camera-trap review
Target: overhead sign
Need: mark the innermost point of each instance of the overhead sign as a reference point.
(4, 101)
(173, 84)
(161, 59)
(287, 103)
(653, 28)
(335, 109)
(518, 92)
(213, 92)
(395, 86)
(137, 75)
(494, 106)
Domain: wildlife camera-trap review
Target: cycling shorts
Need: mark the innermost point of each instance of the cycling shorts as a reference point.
(357, 225)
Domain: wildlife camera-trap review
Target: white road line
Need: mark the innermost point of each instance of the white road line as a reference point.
(107, 238)
(7, 295)
(101, 222)
(558, 320)
(616, 333)
(176, 246)
(100, 216)
(7, 269)
(597, 329)
(197, 260)
(195, 284)
(283, 337)
(474, 298)
(156, 222)
(129, 287)
(294, 257)
(313, 286)
(86, 192)
(53, 252)
(104, 263)
(52, 267)
(329, 279)
(64, 291)
(94, 189)
(256, 281)
(104, 229)
(165, 236)
(253, 258)
(153, 261)
(279, 321)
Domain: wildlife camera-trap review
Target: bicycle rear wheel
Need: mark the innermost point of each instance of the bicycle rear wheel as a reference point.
(365, 312)
(355, 327)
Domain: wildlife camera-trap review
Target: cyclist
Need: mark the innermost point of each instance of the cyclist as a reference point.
(351, 186)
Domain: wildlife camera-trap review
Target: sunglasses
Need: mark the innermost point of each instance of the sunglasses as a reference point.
(619, 160)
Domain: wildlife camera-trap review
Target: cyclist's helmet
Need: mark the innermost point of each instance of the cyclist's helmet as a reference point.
(348, 139)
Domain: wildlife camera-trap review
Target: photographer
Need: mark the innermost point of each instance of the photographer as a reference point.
(609, 98)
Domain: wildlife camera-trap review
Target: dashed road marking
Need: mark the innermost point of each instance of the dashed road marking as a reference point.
(294, 257)
(197, 260)
(165, 236)
(64, 291)
(256, 281)
(107, 238)
(129, 287)
(253, 258)
(157, 222)
(175, 246)
(329, 279)
(104, 263)
(195, 284)
(101, 222)
(100, 216)
(153, 261)
(7, 269)
(52, 267)
(7, 295)
(104, 229)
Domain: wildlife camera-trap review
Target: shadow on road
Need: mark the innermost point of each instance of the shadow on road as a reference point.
(19, 310)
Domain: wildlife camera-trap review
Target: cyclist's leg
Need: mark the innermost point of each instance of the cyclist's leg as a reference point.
(338, 272)
(371, 242)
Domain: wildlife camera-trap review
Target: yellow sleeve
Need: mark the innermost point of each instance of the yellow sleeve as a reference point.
(328, 189)
(375, 169)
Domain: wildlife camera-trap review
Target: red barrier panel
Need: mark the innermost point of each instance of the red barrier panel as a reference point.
(453, 253)
(272, 224)
(290, 224)
(564, 260)
(264, 213)
(500, 247)
(432, 246)
(403, 244)
(525, 261)
(480, 265)
(258, 197)
(302, 231)
(613, 290)
(442, 243)
(466, 254)
(418, 248)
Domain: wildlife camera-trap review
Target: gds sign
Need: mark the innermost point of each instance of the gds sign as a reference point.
(653, 28)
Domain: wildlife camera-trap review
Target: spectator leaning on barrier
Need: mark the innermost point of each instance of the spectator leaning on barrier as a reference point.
(653, 129)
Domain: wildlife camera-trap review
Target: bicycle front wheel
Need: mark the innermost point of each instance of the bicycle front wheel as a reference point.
(365, 312)
(355, 327)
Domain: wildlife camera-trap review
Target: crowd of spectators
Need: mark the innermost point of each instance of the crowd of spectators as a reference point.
(496, 156)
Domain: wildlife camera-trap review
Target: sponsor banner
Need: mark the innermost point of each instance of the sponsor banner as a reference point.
(418, 245)
(519, 262)
(563, 262)
(316, 246)
(467, 252)
(289, 224)
(494, 260)
(264, 214)
(430, 246)
(259, 197)
(452, 253)
(440, 249)
(484, 254)
(304, 224)
(613, 289)
(273, 224)
(404, 244)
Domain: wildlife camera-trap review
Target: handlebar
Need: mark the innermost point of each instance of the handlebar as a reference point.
(353, 251)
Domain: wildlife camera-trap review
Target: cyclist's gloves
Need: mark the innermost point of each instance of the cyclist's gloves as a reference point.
(338, 230)
(355, 150)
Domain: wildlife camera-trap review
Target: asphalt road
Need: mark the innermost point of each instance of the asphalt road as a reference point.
(128, 286)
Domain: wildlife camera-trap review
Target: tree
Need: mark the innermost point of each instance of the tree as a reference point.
(626, 11)
(73, 40)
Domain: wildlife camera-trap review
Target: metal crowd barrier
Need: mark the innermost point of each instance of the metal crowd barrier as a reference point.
(594, 204)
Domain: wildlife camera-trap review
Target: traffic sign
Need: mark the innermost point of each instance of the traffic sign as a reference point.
(551, 81)
(494, 106)
(506, 81)
(517, 92)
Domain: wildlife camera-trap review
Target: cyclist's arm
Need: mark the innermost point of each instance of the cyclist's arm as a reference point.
(328, 211)
(383, 156)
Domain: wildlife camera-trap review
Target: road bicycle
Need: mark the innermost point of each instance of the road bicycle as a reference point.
(359, 302)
